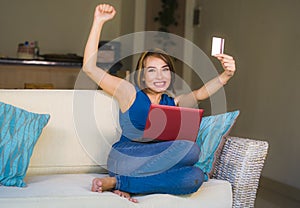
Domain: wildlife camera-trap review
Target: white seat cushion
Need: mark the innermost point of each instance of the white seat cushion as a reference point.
(73, 190)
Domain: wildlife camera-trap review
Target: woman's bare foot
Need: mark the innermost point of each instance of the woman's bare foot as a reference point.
(125, 195)
(108, 184)
(103, 184)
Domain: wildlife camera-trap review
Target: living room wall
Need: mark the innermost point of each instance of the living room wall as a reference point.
(60, 26)
(263, 36)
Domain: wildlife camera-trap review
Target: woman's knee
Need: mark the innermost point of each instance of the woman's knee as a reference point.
(197, 178)
(191, 181)
(195, 152)
(192, 153)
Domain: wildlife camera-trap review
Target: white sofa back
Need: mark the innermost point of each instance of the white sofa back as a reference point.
(82, 127)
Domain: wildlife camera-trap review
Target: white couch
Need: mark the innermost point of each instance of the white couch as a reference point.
(73, 149)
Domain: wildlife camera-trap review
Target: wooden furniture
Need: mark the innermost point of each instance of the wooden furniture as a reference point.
(14, 76)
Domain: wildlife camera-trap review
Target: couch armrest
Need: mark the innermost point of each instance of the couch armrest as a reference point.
(241, 162)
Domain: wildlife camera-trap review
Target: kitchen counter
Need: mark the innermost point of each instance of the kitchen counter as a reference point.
(40, 62)
(37, 73)
(60, 73)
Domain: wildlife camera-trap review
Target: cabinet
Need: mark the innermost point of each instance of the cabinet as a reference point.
(38, 76)
(28, 74)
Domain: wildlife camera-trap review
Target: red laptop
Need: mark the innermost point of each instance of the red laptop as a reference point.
(171, 122)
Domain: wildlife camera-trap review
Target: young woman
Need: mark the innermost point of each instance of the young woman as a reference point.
(136, 166)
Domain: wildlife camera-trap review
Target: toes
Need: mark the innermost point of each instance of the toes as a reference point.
(96, 185)
(117, 192)
(122, 194)
(133, 200)
(125, 195)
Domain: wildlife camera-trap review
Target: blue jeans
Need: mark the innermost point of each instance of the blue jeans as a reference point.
(157, 167)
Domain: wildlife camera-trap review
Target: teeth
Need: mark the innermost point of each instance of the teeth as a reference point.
(159, 84)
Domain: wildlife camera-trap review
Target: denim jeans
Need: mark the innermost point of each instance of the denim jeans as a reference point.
(156, 167)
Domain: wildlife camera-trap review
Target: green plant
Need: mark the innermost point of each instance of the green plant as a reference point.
(167, 16)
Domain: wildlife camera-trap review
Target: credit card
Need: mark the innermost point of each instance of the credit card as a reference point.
(217, 46)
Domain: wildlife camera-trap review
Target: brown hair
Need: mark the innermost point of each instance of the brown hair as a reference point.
(139, 70)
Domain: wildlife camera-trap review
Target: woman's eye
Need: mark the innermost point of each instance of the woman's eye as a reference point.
(150, 69)
(166, 69)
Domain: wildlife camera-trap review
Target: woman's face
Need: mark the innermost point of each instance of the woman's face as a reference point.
(157, 74)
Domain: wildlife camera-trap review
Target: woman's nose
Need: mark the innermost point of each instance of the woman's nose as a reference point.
(159, 74)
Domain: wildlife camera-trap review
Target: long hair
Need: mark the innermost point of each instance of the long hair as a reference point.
(139, 70)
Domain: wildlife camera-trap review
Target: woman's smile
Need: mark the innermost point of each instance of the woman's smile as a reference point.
(160, 84)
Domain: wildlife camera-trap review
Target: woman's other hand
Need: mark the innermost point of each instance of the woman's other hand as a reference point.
(228, 64)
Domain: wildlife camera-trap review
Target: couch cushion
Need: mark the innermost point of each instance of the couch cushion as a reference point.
(73, 190)
(19, 132)
(211, 139)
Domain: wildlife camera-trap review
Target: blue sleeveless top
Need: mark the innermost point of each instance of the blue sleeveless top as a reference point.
(133, 121)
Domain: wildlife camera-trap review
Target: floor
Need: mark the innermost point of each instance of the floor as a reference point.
(267, 198)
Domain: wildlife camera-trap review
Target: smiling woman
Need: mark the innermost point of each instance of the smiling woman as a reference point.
(137, 167)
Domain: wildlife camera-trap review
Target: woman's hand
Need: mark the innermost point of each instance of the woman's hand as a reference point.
(228, 64)
(104, 12)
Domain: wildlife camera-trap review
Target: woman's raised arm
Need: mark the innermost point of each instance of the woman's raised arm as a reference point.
(212, 86)
(122, 90)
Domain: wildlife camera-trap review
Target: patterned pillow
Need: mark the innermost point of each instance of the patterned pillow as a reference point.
(211, 138)
(19, 132)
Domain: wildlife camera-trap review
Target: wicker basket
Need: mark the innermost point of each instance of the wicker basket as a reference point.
(241, 163)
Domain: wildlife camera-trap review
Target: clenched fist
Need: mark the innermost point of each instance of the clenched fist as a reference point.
(104, 12)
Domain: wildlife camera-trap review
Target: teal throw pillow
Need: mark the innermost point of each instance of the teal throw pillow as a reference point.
(211, 138)
(19, 132)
